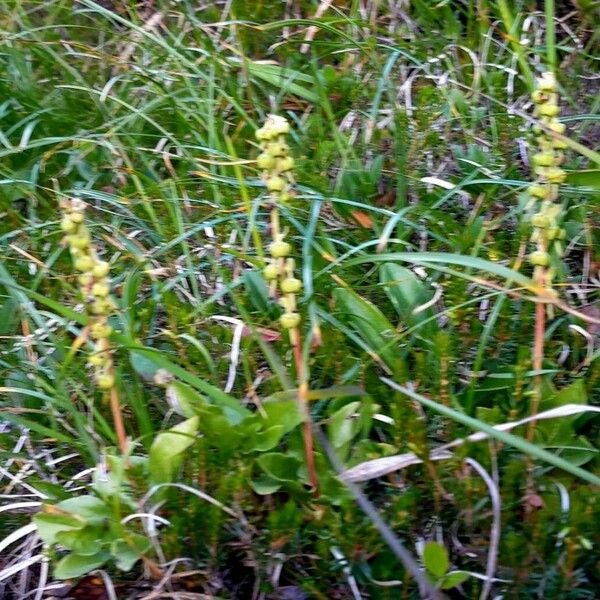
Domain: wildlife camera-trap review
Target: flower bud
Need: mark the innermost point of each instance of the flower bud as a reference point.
(543, 159)
(540, 220)
(548, 110)
(105, 381)
(286, 163)
(277, 149)
(289, 320)
(271, 272)
(275, 184)
(539, 258)
(539, 191)
(265, 161)
(76, 216)
(68, 225)
(291, 285)
(84, 263)
(280, 249)
(100, 269)
(101, 289)
(101, 330)
(555, 175)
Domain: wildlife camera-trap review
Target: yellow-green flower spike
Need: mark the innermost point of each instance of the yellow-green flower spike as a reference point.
(277, 167)
(94, 287)
(544, 192)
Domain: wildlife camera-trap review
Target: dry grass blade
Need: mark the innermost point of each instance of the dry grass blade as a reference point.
(384, 466)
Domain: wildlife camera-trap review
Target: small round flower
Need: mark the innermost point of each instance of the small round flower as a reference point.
(271, 272)
(84, 263)
(562, 234)
(539, 258)
(265, 161)
(280, 126)
(100, 269)
(547, 83)
(557, 126)
(280, 249)
(544, 159)
(275, 184)
(291, 285)
(539, 191)
(538, 96)
(101, 330)
(102, 306)
(79, 240)
(559, 144)
(277, 149)
(555, 175)
(289, 320)
(85, 280)
(540, 220)
(262, 134)
(548, 109)
(552, 233)
(68, 225)
(99, 359)
(286, 163)
(76, 216)
(105, 381)
(101, 289)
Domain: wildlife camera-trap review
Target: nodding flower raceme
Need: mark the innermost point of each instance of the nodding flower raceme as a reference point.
(94, 285)
(277, 166)
(548, 235)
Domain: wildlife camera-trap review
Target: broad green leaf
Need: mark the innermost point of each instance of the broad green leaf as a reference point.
(342, 426)
(50, 524)
(85, 542)
(142, 365)
(369, 322)
(184, 400)
(264, 485)
(453, 579)
(587, 178)
(435, 559)
(75, 565)
(404, 289)
(167, 448)
(278, 466)
(262, 441)
(90, 508)
(127, 552)
(284, 414)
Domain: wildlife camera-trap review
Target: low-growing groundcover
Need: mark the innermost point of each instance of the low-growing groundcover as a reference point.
(299, 299)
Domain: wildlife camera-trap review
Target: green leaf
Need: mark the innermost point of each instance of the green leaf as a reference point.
(403, 288)
(284, 79)
(127, 552)
(142, 365)
(264, 485)
(258, 292)
(165, 452)
(453, 579)
(184, 400)
(84, 541)
(264, 440)
(75, 565)
(279, 466)
(587, 178)
(435, 559)
(431, 258)
(90, 508)
(50, 524)
(369, 322)
(342, 426)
